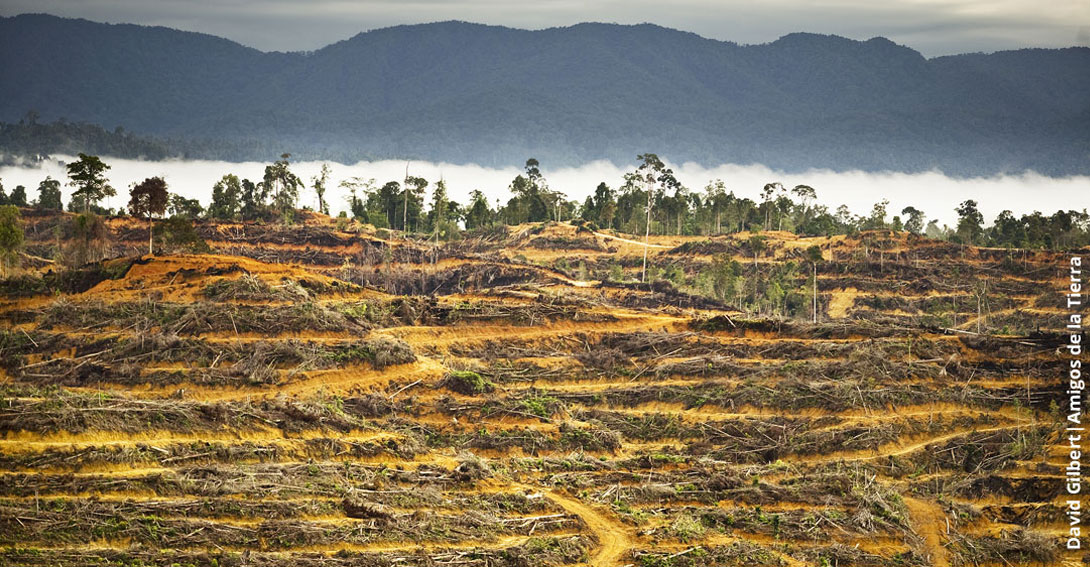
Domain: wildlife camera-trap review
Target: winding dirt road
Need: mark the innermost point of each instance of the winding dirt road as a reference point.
(927, 519)
(613, 538)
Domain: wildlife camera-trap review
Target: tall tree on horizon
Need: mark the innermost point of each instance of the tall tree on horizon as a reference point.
(413, 189)
(149, 198)
(914, 224)
(283, 185)
(715, 196)
(657, 178)
(49, 195)
(18, 196)
(226, 198)
(970, 222)
(87, 175)
(387, 199)
(815, 256)
(766, 199)
(363, 206)
(319, 182)
(478, 213)
(806, 195)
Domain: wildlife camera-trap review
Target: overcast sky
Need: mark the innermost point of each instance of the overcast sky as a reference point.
(933, 27)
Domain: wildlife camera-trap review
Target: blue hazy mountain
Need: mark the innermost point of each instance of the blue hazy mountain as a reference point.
(464, 92)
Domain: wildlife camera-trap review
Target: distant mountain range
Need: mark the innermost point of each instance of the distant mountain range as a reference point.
(463, 92)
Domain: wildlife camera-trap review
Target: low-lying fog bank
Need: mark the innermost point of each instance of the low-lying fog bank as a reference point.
(934, 193)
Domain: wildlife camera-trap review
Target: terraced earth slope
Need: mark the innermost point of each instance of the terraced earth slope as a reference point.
(309, 396)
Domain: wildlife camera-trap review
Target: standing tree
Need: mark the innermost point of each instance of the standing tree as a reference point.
(608, 211)
(18, 196)
(914, 224)
(715, 196)
(554, 202)
(539, 187)
(813, 254)
(319, 181)
(149, 198)
(877, 218)
(439, 216)
(387, 200)
(479, 214)
(87, 175)
(677, 206)
(933, 230)
(766, 199)
(283, 185)
(439, 205)
(756, 245)
(252, 200)
(806, 195)
(657, 178)
(1008, 231)
(605, 206)
(49, 195)
(414, 189)
(741, 210)
(186, 208)
(359, 206)
(87, 239)
(530, 196)
(226, 198)
(533, 173)
(969, 222)
(586, 211)
(783, 206)
(845, 219)
(11, 237)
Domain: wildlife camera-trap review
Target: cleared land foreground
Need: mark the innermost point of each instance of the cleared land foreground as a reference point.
(315, 397)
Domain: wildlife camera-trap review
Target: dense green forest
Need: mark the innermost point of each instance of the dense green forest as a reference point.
(467, 93)
(29, 141)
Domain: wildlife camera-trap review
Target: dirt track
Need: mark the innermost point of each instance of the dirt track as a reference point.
(613, 538)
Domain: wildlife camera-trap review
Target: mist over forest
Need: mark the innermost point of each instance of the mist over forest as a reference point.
(934, 193)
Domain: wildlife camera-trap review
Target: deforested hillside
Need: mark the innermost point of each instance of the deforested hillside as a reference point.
(331, 394)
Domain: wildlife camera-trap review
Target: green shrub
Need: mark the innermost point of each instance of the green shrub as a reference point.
(177, 234)
(467, 382)
(541, 406)
(687, 528)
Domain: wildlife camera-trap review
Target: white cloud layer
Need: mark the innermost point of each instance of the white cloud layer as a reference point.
(934, 193)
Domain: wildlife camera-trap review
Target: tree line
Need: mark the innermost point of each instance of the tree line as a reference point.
(649, 200)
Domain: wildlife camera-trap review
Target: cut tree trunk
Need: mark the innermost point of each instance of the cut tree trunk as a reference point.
(815, 291)
(646, 238)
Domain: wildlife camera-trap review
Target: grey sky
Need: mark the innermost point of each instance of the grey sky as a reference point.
(933, 27)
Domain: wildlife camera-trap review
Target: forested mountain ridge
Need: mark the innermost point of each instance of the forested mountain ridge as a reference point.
(461, 92)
